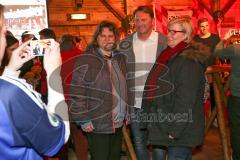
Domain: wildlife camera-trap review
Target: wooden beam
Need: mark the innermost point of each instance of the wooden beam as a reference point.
(125, 6)
(206, 7)
(111, 9)
(228, 6)
(215, 5)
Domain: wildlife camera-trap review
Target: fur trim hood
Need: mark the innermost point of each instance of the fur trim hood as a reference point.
(197, 51)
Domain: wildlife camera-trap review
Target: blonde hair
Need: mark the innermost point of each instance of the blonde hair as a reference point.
(186, 24)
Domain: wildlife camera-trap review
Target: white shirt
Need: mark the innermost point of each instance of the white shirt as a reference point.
(145, 55)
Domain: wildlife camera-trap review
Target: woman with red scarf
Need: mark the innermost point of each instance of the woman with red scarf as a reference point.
(172, 105)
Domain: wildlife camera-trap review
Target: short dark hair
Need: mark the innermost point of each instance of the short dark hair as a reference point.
(25, 35)
(104, 24)
(47, 32)
(200, 21)
(66, 42)
(145, 9)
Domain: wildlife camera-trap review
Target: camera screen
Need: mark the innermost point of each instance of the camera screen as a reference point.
(39, 46)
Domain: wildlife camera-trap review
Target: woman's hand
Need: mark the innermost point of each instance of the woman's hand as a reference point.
(19, 56)
(52, 59)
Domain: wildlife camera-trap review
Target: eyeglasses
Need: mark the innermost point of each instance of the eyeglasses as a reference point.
(174, 31)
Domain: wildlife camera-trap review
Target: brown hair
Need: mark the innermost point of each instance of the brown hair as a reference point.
(145, 9)
(200, 21)
(104, 24)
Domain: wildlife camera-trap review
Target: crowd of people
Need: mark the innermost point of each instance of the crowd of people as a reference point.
(142, 81)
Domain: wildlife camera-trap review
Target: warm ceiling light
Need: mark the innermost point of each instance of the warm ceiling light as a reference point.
(78, 16)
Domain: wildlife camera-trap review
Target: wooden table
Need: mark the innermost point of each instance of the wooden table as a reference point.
(214, 74)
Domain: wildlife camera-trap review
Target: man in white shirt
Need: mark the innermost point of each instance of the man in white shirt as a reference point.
(141, 48)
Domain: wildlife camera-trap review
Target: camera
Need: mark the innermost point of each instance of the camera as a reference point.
(38, 47)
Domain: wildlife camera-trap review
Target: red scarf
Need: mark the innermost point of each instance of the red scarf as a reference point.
(160, 63)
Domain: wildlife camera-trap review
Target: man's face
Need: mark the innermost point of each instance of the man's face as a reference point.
(143, 23)
(106, 40)
(204, 28)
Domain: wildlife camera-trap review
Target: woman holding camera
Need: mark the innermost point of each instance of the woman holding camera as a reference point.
(232, 51)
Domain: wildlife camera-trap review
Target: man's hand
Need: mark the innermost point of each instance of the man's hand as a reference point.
(170, 136)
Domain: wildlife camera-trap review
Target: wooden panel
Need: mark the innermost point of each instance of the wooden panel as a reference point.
(58, 10)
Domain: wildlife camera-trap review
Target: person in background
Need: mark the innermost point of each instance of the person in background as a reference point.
(143, 47)
(172, 101)
(231, 50)
(69, 54)
(26, 36)
(25, 120)
(79, 43)
(99, 93)
(47, 33)
(209, 39)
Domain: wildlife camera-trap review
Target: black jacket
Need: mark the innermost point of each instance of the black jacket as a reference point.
(177, 109)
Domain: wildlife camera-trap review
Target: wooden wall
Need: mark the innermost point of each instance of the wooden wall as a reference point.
(58, 10)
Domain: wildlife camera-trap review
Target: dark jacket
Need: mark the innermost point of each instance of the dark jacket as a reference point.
(91, 91)
(177, 109)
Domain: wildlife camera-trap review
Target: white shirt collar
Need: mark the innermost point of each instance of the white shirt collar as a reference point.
(153, 37)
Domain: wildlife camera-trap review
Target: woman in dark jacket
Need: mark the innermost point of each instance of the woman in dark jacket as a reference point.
(173, 98)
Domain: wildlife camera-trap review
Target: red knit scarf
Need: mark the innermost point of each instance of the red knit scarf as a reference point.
(161, 61)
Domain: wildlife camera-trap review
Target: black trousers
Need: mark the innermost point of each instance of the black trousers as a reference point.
(234, 125)
(105, 146)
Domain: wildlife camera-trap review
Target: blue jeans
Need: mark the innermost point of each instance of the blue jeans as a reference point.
(174, 153)
(139, 141)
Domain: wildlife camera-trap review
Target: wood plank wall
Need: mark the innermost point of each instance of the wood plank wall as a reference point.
(58, 10)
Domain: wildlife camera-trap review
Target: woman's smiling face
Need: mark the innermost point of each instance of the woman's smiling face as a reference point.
(175, 35)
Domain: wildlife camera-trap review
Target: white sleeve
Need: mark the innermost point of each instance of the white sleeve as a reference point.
(12, 73)
(56, 101)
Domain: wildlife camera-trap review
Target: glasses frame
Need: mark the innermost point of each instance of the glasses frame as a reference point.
(173, 32)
